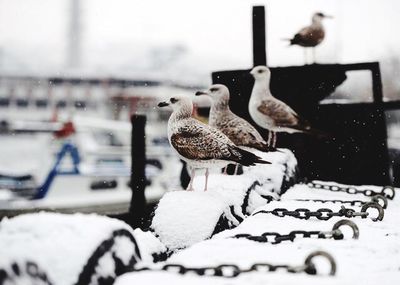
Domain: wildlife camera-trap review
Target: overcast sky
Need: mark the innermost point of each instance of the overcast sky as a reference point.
(122, 35)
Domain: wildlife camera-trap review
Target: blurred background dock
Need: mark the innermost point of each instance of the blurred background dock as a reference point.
(74, 71)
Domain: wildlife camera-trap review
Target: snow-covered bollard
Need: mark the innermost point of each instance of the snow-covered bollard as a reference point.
(183, 218)
(49, 248)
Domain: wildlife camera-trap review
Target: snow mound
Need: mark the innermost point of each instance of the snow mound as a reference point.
(67, 248)
(149, 245)
(282, 170)
(372, 259)
(184, 218)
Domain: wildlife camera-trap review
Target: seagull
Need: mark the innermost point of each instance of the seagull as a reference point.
(312, 35)
(271, 113)
(200, 145)
(237, 129)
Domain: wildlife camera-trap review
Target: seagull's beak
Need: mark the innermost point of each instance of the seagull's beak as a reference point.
(199, 93)
(163, 104)
(328, 16)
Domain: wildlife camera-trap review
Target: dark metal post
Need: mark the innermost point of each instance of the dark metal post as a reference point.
(259, 41)
(138, 179)
(377, 90)
(377, 83)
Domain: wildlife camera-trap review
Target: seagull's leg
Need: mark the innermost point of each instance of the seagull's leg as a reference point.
(224, 170)
(236, 168)
(269, 141)
(274, 139)
(192, 174)
(205, 187)
(313, 54)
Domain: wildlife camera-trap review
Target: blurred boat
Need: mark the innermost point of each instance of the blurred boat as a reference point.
(91, 172)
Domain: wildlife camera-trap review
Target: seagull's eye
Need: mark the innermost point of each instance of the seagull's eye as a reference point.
(174, 100)
(213, 89)
(260, 71)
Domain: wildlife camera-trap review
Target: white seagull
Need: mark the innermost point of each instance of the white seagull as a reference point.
(200, 145)
(271, 113)
(312, 35)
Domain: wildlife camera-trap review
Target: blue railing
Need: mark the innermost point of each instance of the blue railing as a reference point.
(68, 148)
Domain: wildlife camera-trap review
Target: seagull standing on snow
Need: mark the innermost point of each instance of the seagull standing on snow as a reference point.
(200, 145)
(238, 130)
(271, 113)
(312, 35)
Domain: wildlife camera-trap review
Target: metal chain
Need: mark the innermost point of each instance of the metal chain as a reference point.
(381, 200)
(232, 270)
(325, 214)
(387, 191)
(275, 238)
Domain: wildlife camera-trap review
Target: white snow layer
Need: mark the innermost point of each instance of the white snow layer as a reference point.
(59, 244)
(183, 218)
(148, 245)
(372, 259)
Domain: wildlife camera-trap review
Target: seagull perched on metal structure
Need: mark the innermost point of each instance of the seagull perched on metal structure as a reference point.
(271, 113)
(200, 145)
(312, 35)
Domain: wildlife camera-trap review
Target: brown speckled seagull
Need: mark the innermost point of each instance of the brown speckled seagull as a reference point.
(312, 35)
(200, 145)
(237, 129)
(271, 113)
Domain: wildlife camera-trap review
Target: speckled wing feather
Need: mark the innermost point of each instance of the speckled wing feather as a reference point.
(282, 114)
(308, 36)
(305, 32)
(200, 142)
(241, 132)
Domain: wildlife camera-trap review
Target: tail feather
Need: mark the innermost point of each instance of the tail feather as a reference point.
(304, 126)
(247, 158)
(291, 41)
